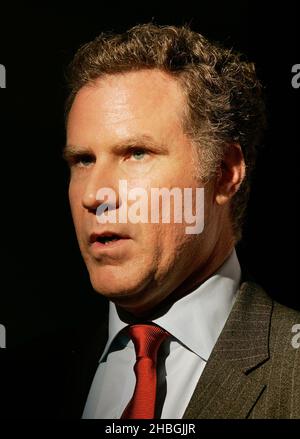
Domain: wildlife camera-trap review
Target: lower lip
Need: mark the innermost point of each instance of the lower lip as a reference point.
(99, 247)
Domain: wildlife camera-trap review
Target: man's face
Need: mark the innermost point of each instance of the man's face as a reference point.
(129, 127)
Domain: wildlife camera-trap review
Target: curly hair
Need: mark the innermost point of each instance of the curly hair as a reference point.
(224, 97)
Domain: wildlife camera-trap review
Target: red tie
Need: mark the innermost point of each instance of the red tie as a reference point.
(146, 339)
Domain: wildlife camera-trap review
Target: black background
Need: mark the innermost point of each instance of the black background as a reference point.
(44, 284)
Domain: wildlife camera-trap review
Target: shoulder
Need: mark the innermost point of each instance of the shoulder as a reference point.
(284, 322)
(283, 315)
(285, 336)
(280, 370)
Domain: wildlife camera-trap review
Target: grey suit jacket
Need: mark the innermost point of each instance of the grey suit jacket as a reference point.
(253, 370)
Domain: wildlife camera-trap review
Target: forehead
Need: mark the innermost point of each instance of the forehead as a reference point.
(146, 100)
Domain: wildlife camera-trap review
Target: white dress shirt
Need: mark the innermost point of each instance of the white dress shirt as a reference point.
(194, 322)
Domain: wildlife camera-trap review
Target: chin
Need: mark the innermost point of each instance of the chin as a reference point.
(115, 287)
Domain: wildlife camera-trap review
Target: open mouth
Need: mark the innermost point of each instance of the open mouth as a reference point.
(107, 238)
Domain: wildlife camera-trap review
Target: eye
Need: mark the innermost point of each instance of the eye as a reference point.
(84, 160)
(81, 160)
(138, 154)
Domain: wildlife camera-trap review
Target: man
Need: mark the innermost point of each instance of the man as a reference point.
(188, 335)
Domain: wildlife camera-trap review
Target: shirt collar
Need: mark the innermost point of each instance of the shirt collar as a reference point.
(197, 319)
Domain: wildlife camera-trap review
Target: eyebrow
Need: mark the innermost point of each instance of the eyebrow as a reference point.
(70, 150)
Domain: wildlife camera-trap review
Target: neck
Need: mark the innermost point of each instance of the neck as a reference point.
(205, 271)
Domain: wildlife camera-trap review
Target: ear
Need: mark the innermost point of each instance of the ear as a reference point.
(231, 173)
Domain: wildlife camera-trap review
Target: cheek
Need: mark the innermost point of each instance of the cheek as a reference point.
(169, 242)
(180, 250)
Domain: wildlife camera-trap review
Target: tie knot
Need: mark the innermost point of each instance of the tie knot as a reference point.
(147, 339)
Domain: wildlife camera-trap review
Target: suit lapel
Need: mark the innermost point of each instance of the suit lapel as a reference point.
(232, 381)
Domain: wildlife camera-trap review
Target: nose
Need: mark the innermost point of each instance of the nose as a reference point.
(100, 177)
